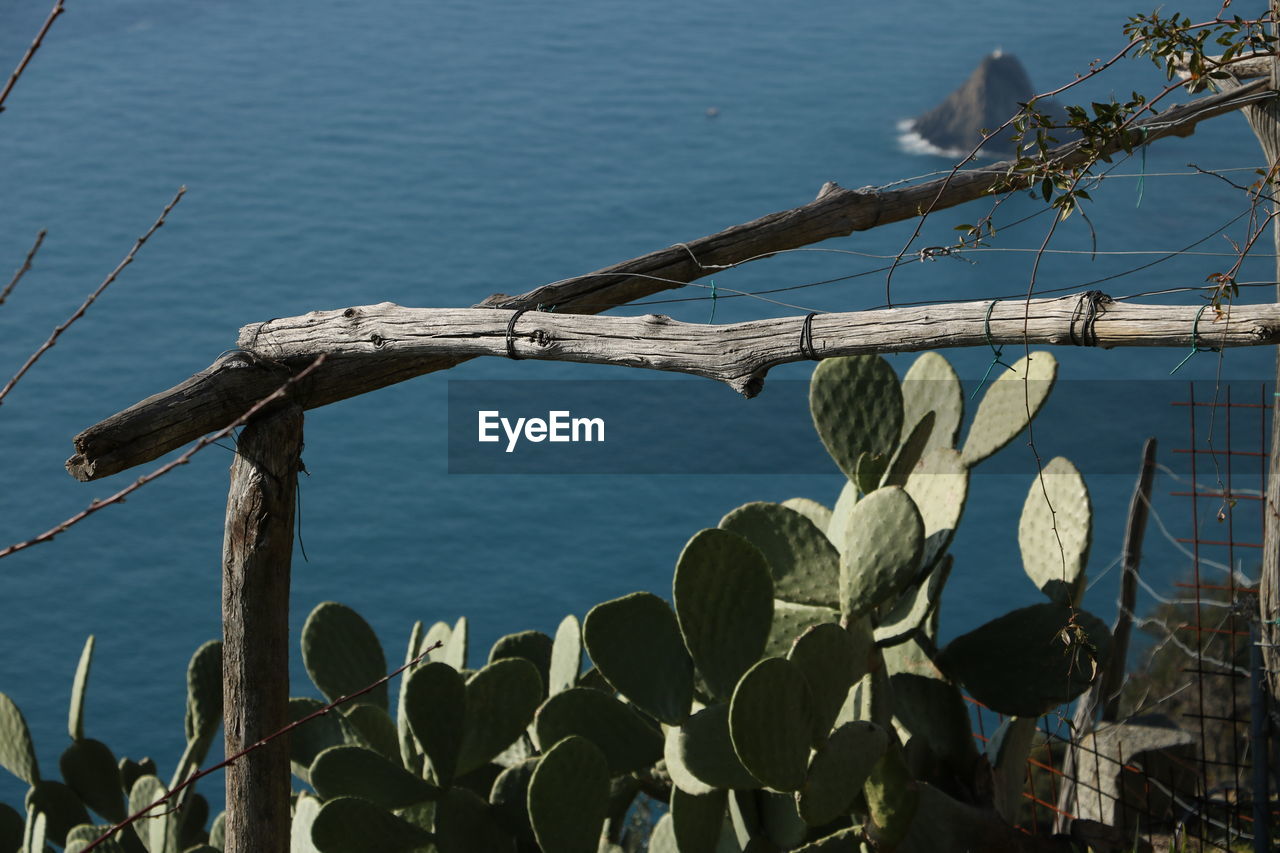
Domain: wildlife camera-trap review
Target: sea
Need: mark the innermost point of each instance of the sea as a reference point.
(430, 154)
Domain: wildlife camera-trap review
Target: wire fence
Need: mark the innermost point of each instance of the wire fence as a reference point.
(1175, 769)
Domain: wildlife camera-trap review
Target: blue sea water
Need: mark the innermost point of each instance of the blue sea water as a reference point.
(342, 154)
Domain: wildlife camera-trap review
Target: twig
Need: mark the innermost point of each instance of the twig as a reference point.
(119, 496)
(31, 51)
(200, 774)
(26, 265)
(84, 306)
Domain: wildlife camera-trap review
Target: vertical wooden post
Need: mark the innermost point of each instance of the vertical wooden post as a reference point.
(257, 546)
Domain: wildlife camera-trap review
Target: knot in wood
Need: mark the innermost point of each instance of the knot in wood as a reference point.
(377, 340)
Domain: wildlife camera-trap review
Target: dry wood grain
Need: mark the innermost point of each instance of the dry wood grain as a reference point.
(217, 395)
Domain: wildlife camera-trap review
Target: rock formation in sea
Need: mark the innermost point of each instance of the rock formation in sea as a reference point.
(985, 101)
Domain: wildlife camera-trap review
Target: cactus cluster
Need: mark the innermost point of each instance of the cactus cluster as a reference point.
(791, 694)
(97, 790)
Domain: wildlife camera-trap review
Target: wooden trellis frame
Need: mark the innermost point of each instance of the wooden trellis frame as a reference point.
(370, 347)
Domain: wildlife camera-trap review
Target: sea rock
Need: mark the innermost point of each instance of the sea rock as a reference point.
(990, 96)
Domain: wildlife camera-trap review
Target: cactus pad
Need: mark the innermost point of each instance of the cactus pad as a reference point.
(17, 752)
(353, 771)
(656, 675)
(90, 770)
(347, 824)
(75, 718)
(204, 693)
(832, 660)
(771, 722)
(342, 654)
(569, 797)
(501, 700)
(804, 564)
(1055, 560)
(882, 552)
(939, 486)
(810, 509)
(723, 597)
(696, 820)
(917, 604)
(700, 756)
(1029, 660)
(627, 742)
(909, 453)
(533, 646)
(1002, 413)
(931, 385)
(566, 656)
(838, 770)
(856, 404)
(838, 527)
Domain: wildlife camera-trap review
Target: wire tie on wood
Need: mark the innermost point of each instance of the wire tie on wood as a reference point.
(996, 352)
(511, 327)
(1195, 341)
(806, 338)
(712, 318)
(1086, 311)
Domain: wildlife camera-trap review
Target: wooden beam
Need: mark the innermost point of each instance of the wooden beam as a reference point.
(257, 547)
(365, 344)
(213, 398)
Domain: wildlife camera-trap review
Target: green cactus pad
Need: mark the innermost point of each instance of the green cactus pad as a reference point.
(780, 821)
(342, 654)
(17, 752)
(837, 771)
(817, 513)
(353, 771)
(1007, 753)
(628, 742)
(533, 646)
(566, 655)
(723, 597)
(1019, 664)
(60, 806)
(663, 837)
(440, 632)
(771, 722)
(204, 692)
(374, 728)
(882, 550)
(435, 703)
(89, 769)
(348, 824)
(700, 756)
(939, 486)
(569, 797)
(909, 453)
(80, 837)
(154, 828)
(1002, 413)
(305, 809)
(455, 653)
(696, 820)
(510, 798)
(75, 717)
(931, 385)
(792, 620)
(856, 404)
(917, 603)
(804, 564)
(410, 756)
(838, 527)
(501, 700)
(192, 820)
(1055, 560)
(892, 799)
(934, 711)
(218, 831)
(656, 675)
(832, 660)
(465, 824)
(308, 741)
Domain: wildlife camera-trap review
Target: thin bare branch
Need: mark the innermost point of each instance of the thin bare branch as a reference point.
(26, 265)
(84, 306)
(119, 496)
(31, 51)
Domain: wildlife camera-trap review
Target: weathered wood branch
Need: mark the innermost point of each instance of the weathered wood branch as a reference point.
(213, 398)
(364, 344)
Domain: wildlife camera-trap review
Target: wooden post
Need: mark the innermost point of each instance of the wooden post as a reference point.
(257, 546)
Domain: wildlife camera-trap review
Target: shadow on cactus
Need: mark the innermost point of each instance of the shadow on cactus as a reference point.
(791, 696)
